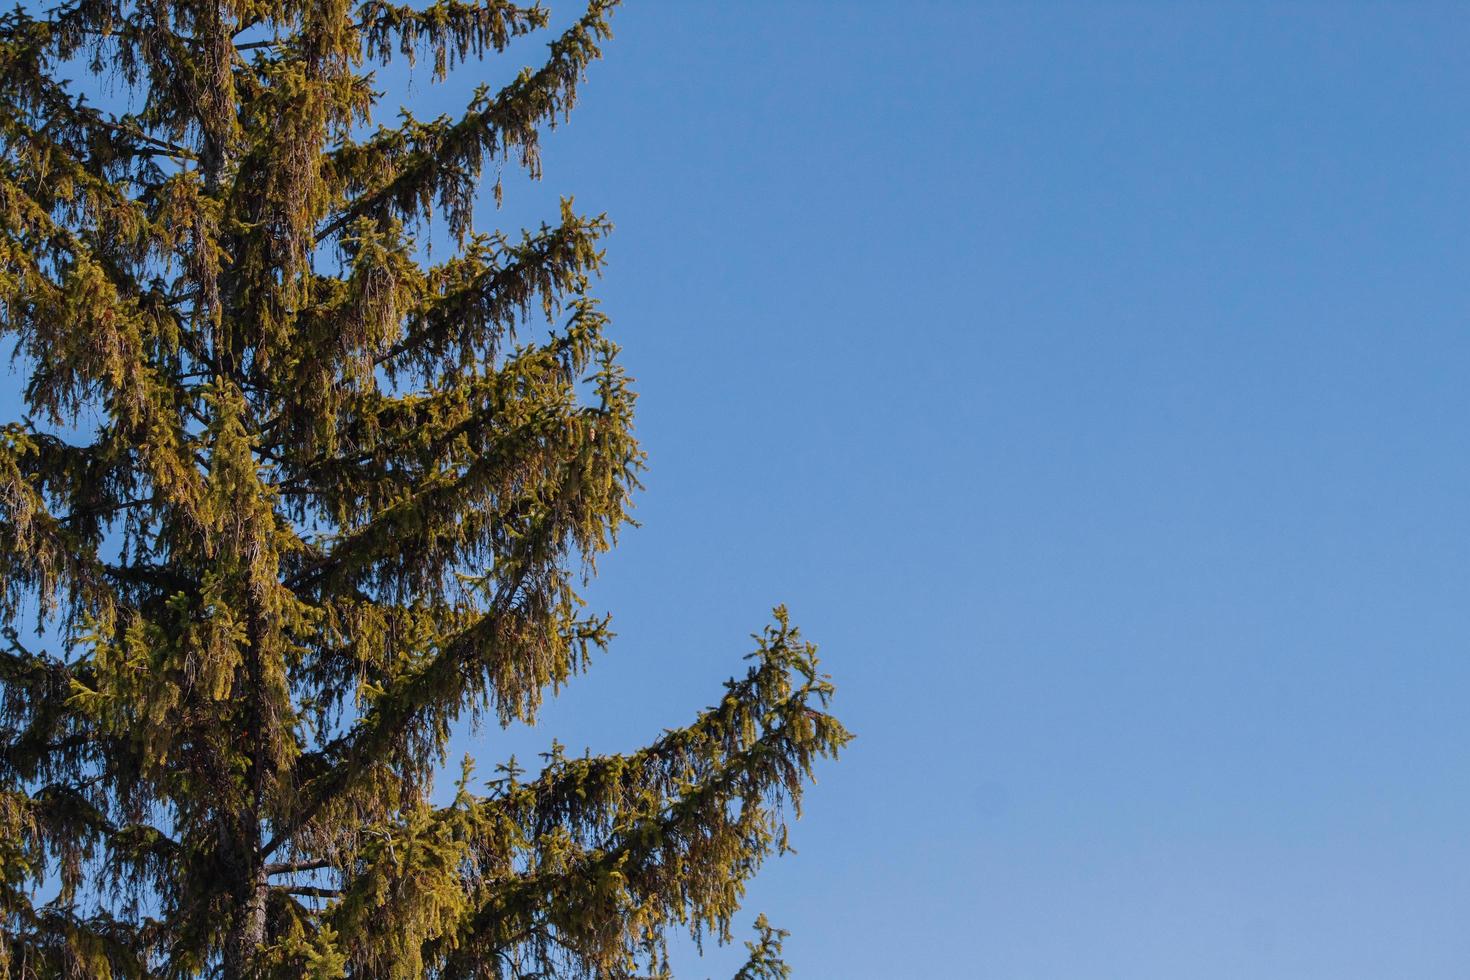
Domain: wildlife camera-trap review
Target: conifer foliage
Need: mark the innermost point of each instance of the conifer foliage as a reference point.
(290, 501)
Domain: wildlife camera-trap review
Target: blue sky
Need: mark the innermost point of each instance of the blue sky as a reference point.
(1090, 380)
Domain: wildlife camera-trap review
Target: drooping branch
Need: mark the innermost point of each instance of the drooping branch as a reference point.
(442, 160)
(621, 846)
(449, 29)
(479, 297)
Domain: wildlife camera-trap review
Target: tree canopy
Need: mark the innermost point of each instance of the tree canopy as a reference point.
(289, 503)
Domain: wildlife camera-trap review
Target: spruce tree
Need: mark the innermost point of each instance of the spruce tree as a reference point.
(290, 503)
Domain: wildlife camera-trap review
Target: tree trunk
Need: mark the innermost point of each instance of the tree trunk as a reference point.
(247, 864)
(247, 931)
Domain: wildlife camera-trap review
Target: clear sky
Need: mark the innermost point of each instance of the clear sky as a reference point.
(1090, 379)
(1093, 382)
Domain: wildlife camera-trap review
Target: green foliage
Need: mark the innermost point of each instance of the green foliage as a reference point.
(291, 504)
(765, 961)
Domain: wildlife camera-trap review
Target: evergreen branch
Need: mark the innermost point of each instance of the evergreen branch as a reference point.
(310, 891)
(764, 961)
(443, 159)
(295, 867)
(54, 941)
(435, 521)
(480, 299)
(107, 510)
(491, 642)
(387, 719)
(152, 142)
(159, 576)
(712, 789)
(59, 111)
(450, 28)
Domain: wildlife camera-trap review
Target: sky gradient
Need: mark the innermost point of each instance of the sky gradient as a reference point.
(1090, 379)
